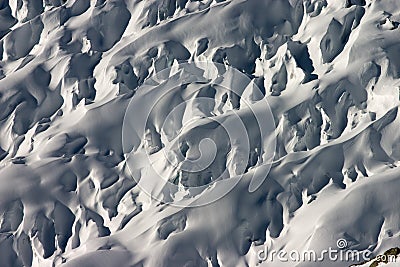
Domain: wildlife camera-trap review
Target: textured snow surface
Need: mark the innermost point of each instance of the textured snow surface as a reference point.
(329, 70)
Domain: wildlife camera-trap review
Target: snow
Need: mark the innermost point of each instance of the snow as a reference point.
(195, 133)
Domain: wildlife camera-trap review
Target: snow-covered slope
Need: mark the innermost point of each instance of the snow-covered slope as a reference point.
(295, 101)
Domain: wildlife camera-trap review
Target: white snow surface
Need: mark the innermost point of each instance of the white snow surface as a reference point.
(329, 69)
